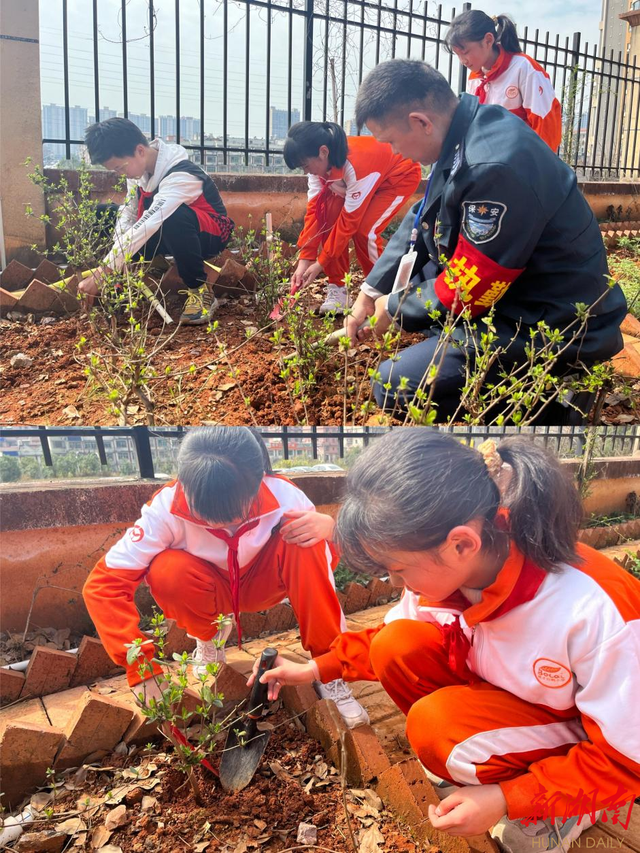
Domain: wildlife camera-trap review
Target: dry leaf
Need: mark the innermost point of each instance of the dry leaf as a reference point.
(241, 847)
(264, 726)
(369, 796)
(200, 847)
(71, 412)
(71, 826)
(111, 848)
(41, 800)
(99, 837)
(278, 770)
(81, 840)
(261, 824)
(226, 387)
(370, 840)
(116, 818)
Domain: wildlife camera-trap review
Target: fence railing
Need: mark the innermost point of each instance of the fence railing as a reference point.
(153, 450)
(247, 69)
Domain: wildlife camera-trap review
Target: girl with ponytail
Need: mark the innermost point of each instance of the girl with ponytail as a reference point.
(356, 186)
(514, 651)
(500, 73)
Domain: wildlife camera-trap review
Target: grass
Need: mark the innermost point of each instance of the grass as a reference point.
(625, 268)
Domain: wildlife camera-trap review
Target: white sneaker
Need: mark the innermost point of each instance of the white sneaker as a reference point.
(208, 652)
(336, 299)
(350, 709)
(550, 834)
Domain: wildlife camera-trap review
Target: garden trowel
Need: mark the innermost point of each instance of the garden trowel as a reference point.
(245, 745)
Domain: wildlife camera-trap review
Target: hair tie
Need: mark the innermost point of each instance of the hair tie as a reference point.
(494, 18)
(500, 472)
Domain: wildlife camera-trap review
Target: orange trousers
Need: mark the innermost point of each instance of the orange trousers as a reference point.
(385, 204)
(195, 592)
(466, 733)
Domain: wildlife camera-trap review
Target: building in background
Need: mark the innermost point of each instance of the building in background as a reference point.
(630, 140)
(280, 122)
(53, 127)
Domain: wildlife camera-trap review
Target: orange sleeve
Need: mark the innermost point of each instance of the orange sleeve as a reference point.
(310, 236)
(349, 657)
(109, 598)
(548, 128)
(592, 775)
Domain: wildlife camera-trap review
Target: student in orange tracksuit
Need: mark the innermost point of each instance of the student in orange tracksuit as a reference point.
(227, 535)
(356, 186)
(514, 651)
(502, 74)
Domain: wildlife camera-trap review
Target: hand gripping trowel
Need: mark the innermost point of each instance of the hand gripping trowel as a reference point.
(245, 745)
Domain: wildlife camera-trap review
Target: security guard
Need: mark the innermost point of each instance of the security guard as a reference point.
(509, 218)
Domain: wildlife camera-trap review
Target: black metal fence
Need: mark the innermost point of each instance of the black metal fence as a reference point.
(276, 61)
(153, 450)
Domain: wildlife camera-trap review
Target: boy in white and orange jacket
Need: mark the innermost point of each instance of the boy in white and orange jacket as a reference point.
(227, 535)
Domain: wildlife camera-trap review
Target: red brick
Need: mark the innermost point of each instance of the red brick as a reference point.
(141, 729)
(171, 280)
(280, 618)
(324, 723)
(49, 671)
(7, 300)
(630, 326)
(342, 598)
(98, 723)
(253, 624)
(37, 297)
(232, 684)
(26, 752)
(16, 276)
(627, 363)
(47, 272)
(358, 597)
(11, 684)
(299, 698)
(44, 841)
(229, 280)
(176, 639)
(93, 663)
(381, 591)
(366, 759)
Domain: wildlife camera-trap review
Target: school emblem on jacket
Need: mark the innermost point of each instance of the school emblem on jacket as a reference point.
(550, 673)
(482, 220)
(136, 533)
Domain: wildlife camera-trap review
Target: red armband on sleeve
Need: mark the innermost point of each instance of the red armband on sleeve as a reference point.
(473, 280)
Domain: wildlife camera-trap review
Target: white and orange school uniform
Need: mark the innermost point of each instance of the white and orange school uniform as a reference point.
(535, 686)
(197, 572)
(378, 183)
(521, 85)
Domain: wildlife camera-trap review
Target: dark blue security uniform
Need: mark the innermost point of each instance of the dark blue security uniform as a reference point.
(508, 215)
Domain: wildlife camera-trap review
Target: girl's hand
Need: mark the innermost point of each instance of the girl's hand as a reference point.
(307, 528)
(470, 811)
(284, 672)
(338, 188)
(297, 278)
(312, 273)
(363, 307)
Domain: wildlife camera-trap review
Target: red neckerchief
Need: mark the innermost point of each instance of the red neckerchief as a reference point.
(142, 195)
(233, 566)
(500, 65)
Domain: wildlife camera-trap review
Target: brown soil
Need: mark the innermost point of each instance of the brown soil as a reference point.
(13, 649)
(292, 785)
(55, 391)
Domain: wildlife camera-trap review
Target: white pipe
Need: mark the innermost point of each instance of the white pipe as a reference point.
(12, 827)
(20, 667)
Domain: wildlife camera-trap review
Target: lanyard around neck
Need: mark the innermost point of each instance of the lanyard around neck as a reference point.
(417, 220)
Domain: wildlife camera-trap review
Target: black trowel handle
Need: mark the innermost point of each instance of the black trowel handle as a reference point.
(259, 691)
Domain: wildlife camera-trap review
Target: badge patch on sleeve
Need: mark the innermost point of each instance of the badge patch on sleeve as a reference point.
(482, 220)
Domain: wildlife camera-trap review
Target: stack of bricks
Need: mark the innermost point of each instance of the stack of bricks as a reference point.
(36, 291)
(612, 231)
(609, 535)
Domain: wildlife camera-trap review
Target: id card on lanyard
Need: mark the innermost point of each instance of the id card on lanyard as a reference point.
(408, 260)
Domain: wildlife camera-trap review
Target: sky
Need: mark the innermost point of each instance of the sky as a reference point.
(556, 17)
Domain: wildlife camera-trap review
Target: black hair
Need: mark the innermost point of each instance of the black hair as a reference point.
(402, 83)
(473, 25)
(114, 137)
(411, 487)
(305, 138)
(220, 469)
